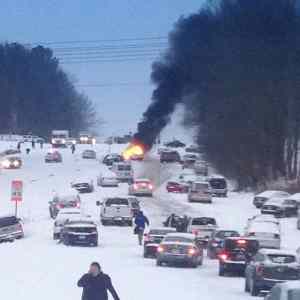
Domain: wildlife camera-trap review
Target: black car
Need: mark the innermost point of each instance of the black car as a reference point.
(215, 243)
(180, 223)
(153, 238)
(235, 254)
(110, 159)
(269, 267)
(80, 233)
(169, 157)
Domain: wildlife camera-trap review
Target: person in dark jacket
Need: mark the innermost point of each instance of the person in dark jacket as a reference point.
(95, 284)
(140, 224)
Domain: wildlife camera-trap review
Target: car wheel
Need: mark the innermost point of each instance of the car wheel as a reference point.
(254, 290)
(158, 263)
(221, 270)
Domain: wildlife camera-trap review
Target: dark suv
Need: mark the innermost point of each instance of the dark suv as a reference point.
(235, 254)
(169, 157)
(269, 267)
(10, 228)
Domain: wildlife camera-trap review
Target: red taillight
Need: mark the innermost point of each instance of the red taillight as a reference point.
(259, 270)
(160, 249)
(242, 242)
(135, 186)
(223, 256)
(150, 186)
(78, 204)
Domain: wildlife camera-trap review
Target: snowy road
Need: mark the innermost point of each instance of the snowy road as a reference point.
(38, 268)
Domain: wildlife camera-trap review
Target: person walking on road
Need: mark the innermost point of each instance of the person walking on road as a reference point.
(73, 148)
(95, 284)
(140, 224)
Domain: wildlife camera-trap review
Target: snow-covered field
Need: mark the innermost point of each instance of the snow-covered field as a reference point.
(36, 267)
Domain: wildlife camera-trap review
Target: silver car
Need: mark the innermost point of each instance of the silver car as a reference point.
(89, 154)
(10, 228)
(200, 191)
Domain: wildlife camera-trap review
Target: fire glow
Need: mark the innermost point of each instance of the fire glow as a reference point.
(133, 149)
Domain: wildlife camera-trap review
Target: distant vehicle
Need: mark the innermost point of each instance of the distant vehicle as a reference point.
(11, 228)
(86, 138)
(280, 207)
(153, 238)
(63, 215)
(66, 201)
(188, 161)
(80, 232)
(235, 254)
(123, 171)
(53, 157)
(269, 267)
(89, 154)
(180, 223)
(10, 152)
(175, 144)
(194, 149)
(261, 198)
(116, 210)
(11, 162)
(216, 241)
(169, 157)
(59, 138)
(137, 157)
(218, 185)
(285, 291)
(141, 187)
(109, 159)
(201, 167)
(267, 234)
(261, 219)
(162, 149)
(71, 141)
(107, 179)
(200, 191)
(179, 248)
(177, 187)
(83, 185)
(202, 228)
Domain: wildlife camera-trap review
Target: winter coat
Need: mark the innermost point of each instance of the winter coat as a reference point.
(141, 221)
(96, 287)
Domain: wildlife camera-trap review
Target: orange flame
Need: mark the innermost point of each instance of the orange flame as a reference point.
(133, 149)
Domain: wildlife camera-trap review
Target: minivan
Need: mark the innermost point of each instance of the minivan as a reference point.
(200, 191)
(123, 171)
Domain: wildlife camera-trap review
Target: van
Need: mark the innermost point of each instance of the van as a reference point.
(267, 234)
(200, 192)
(169, 156)
(218, 185)
(10, 228)
(123, 171)
(116, 210)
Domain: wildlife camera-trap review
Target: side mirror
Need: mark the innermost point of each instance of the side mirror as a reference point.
(99, 203)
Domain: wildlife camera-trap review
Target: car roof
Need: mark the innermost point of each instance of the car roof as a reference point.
(182, 235)
(269, 193)
(265, 227)
(276, 252)
(163, 229)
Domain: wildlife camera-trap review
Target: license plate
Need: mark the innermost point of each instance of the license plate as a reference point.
(82, 237)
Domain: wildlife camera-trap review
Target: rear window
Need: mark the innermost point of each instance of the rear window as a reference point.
(248, 245)
(124, 167)
(218, 183)
(226, 234)
(200, 186)
(282, 259)
(177, 239)
(204, 221)
(8, 221)
(116, 201)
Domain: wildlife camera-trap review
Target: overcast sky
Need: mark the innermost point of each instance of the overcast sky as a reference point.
(120, 106)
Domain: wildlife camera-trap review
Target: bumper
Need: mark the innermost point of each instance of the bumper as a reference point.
(267, 284)
(82, 240)
(177, 259)
(218, 192)
(11, 236)
(232, 266)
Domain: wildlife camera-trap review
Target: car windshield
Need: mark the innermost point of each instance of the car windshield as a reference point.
(116, 201)
(282, 259)
(225, 234)
(178, 239)
(203, 221)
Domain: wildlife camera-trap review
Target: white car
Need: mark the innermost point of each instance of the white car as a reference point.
(141, 187)
(261, 198)
(267, 234)
(116, 210)
(64, 215)
(123, 171)
(107, 179)
(200, 191)
(261, 219)
(201, 167)
(89, 154)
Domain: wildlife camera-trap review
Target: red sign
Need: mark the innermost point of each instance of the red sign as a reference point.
(17, 190)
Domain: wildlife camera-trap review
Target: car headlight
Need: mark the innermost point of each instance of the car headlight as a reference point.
(16, 163)
(63, 141)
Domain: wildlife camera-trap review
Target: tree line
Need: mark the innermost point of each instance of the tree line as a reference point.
(36, 94)
(235, 66)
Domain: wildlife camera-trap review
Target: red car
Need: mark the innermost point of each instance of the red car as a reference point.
(177, 187)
